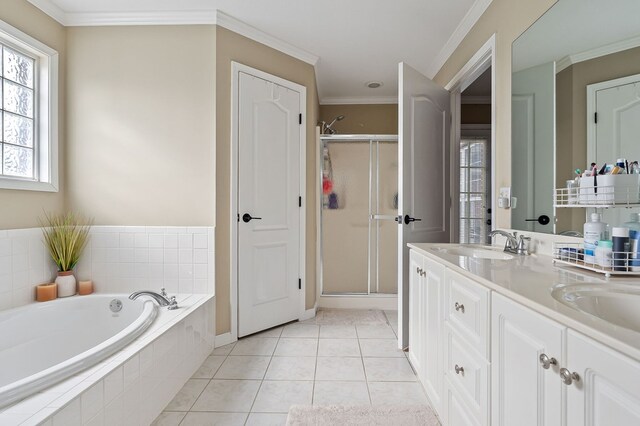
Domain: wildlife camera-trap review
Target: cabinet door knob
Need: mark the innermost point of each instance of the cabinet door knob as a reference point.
(459, 370)
(568, 377)
(547, 362)
(459, 307)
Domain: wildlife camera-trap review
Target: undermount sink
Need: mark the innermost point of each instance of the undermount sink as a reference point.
(617, 304)
(475, 252)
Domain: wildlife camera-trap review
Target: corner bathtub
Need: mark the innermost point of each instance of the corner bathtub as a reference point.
(45, 343)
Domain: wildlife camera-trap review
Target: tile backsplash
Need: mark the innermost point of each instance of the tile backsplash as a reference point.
(119, 259)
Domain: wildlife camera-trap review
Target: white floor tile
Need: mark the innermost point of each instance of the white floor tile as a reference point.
(266, 419)
(375, 332)
(208, 369)
(224, 350)
(396, 393)
(339, 368)
(338, 332)
(278, 396)
(338, 347)
(388, 370)
(208, 419)
(296, 347)
(300, 330)
(187, 395)
(255, 346)
(227, 396)
(291, 368)
(383, 348)
(341, 393)
(243, 367)
(168, 418)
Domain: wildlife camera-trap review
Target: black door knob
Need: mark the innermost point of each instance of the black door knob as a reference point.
(542, 220)
(408, 219)
(246, 218)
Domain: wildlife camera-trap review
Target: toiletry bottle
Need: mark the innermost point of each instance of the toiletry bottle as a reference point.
(594, 231)
(634, 222)
(620, 249)
(604, 252)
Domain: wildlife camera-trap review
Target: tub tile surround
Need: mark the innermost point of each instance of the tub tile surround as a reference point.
(118, 259)
(134, 385)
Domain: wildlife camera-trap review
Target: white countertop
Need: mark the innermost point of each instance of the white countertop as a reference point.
(529, 280)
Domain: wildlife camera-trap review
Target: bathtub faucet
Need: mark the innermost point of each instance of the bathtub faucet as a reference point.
(162, 300)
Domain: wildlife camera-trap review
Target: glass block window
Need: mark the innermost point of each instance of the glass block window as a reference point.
(474, 186)
(18, 94)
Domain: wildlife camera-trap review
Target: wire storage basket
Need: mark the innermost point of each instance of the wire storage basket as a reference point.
(602, 192)
(617, 263)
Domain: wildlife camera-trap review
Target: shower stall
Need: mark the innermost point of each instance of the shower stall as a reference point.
(359, 232)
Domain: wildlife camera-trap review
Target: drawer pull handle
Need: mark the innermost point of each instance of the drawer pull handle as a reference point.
(459, 307)
(459, 370)
(547, 362)
(568, 377)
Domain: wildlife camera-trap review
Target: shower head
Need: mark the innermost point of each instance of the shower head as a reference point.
(329, 129)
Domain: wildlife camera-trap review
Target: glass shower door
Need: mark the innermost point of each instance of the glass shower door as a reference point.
(359, 205)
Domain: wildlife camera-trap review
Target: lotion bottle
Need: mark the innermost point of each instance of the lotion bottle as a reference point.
(594, 231)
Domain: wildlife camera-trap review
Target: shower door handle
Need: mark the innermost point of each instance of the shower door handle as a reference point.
(408, 219)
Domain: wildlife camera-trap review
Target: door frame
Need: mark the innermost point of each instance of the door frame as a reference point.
(236, 68)
(484, 58)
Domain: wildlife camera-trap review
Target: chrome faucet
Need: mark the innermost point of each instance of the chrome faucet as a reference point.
(162, 299)
(511, 245)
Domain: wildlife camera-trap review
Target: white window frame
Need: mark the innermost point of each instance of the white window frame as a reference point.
(46, 112)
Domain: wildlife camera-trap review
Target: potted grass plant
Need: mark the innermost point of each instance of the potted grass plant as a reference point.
(65, 236)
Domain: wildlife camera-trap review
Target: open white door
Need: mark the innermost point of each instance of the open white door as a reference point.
(423, 174)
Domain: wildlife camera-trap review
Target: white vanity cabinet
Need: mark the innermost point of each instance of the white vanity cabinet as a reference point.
(485, 359)
(608, 389)
(525, 390)
(426, 282)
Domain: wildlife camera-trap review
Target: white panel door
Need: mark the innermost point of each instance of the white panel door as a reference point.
(608, 390)
(423, 173)
(523, 392)
(268, 209)
(617, 130)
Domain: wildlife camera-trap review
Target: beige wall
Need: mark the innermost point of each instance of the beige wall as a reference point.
(378, 119)
(571, 117)
(21, 209)
(141, 104)
(507, 19)
(233, 47)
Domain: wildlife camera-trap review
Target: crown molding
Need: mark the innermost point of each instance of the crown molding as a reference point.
(472, 16)
(608, 49)
(365, 100)
(246, 30)
(51, 9)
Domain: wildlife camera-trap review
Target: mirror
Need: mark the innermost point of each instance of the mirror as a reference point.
(580, 58)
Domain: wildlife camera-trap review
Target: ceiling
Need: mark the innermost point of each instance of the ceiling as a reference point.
(349, 42)
(576, 27)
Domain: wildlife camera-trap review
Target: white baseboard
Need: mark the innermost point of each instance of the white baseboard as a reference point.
(223, 339)
(386, 302)
(309, 313)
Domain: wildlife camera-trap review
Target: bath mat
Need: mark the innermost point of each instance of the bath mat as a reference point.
(350, 317)
(400, 415)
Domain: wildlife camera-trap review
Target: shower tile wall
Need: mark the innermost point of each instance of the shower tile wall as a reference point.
(117, 259)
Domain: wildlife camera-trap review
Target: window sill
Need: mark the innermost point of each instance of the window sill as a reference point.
(23, 185)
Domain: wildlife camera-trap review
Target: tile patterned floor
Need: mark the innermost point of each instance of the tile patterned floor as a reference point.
(257, 379)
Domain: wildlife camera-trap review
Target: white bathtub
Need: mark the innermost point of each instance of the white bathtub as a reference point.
(44, 343)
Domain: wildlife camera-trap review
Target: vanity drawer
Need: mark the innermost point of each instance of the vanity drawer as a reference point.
(466, 309)
(467, 371)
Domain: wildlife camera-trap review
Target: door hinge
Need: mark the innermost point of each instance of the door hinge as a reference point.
(300, 118)
(595, 117)
(299, 283)
(299, 201)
